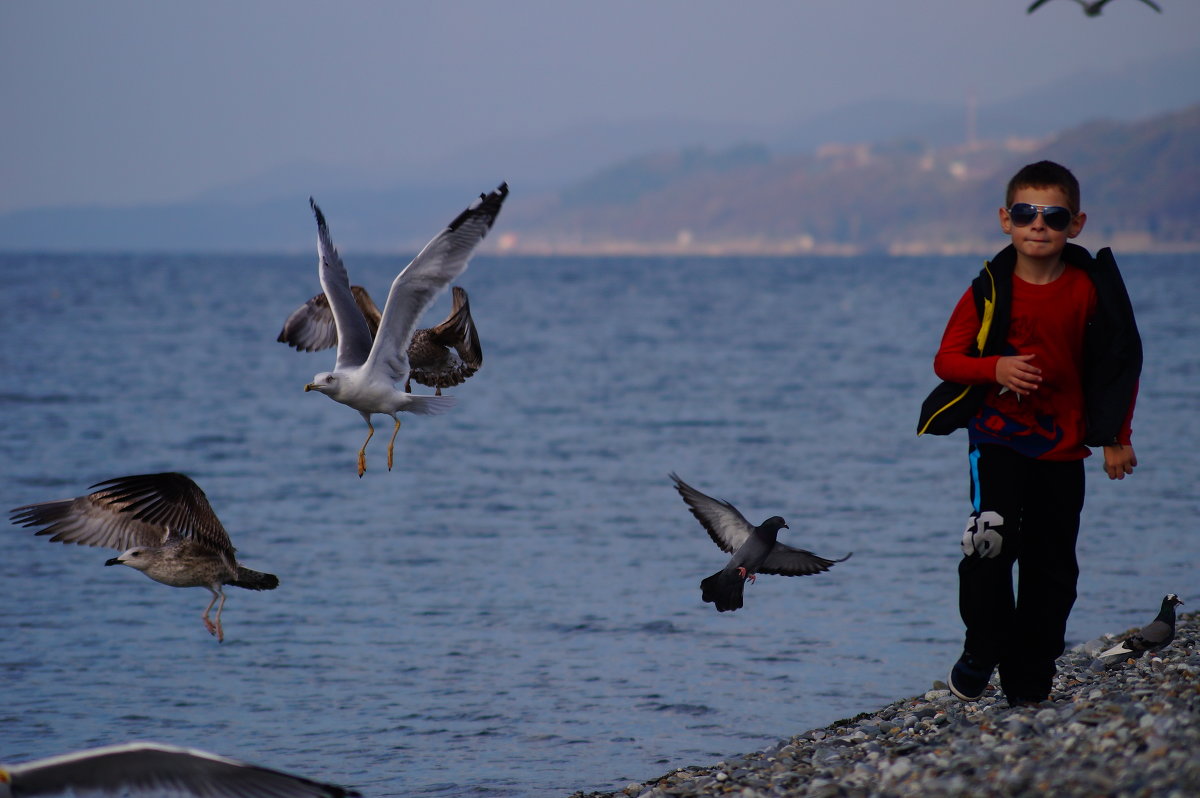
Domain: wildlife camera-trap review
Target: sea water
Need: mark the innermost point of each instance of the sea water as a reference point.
(514, 609)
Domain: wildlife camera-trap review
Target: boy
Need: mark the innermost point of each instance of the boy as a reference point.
(1041, 359)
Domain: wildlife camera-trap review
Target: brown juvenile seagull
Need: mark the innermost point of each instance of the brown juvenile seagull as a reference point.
(165, 528)
(440, 357)
(367, 369)
(755, 549)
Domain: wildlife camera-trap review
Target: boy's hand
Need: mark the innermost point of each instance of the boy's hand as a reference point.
(1016, 374)
(1119, 460)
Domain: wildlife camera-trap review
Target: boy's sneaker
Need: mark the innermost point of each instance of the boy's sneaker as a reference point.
(968, 677)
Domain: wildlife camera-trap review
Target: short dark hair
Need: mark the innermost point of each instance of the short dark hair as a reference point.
(1045, 174)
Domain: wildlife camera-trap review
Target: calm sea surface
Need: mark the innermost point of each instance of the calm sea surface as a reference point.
(514, 610)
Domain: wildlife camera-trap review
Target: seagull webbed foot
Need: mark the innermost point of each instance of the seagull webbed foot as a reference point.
(215, 629)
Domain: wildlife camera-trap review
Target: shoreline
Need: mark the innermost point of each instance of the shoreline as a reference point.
(1133, 729)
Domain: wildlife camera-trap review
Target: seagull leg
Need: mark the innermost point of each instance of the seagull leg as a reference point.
(220, 606)
(362, 453)
(392, 442)
(408, 386)
(213, 629)
(437, 391)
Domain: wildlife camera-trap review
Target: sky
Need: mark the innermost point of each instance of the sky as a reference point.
(139, 101)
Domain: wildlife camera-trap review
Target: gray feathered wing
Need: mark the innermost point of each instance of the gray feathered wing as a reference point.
(458, 331)
(353, 334)
(727, 527)
(1151, 637)
(414, 289)
(139, 510)
(151, 769)
(787, 561)
(311, 327)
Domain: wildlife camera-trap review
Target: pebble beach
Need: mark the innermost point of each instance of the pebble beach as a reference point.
(1130, 729)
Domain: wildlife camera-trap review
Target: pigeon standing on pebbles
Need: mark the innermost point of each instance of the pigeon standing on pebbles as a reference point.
(755, 549)
(1152, 637)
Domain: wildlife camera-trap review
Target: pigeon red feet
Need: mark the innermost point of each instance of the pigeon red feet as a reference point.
(744, 575)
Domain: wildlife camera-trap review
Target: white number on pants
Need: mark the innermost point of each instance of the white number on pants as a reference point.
(982, 534)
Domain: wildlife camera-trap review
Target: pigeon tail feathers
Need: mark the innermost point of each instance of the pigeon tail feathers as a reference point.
(724, 589)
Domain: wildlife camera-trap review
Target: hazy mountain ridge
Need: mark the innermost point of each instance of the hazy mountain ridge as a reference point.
(678, 185)
(1141, 187)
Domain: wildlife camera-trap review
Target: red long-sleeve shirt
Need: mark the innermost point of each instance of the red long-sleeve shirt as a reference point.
(1048, 321)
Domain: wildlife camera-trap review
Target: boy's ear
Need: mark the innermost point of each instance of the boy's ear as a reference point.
(1077, 224)
(1005, 222)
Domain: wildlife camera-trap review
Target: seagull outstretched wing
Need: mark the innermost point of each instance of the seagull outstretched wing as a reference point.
(415, 288)
(353, 334)
(149, 769)
(139, 510)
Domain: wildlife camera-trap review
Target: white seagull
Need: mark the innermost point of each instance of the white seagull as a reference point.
(366, 372)
(153, 769)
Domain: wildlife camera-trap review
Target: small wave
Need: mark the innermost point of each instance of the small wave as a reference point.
(45, 399)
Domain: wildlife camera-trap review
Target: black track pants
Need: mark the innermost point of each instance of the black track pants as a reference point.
(1026, 512)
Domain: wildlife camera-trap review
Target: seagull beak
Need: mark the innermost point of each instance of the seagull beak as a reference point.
(114, 561)
(312, 386)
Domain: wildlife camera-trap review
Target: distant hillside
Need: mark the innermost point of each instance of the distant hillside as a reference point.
(1141, 190)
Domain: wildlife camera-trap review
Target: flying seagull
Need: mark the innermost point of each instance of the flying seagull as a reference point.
(1154, 636)
(165, 528)
(440, 357)
(1092, 8)
(153, 769)
(365, 373)
(754, 548)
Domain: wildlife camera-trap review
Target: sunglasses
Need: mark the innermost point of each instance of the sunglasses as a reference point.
(1055, 216)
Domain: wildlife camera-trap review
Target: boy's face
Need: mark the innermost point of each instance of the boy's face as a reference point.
(1037, 239)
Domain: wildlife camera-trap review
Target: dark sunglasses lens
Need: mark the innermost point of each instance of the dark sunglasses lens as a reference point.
(1057, 218)
(1022, 214)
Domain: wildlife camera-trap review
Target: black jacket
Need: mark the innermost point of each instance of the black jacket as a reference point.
(1112, 349)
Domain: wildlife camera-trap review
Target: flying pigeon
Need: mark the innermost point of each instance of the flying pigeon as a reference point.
(166, 528)
(366, 371)
(1091, 8)
(1152, 637)
(754, 548)
(440, 357)
(152, 769)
